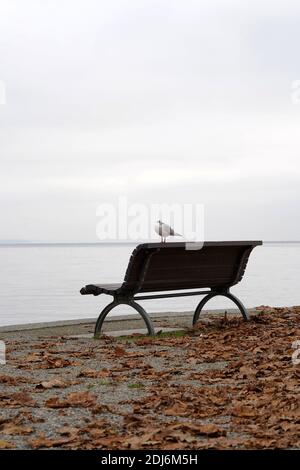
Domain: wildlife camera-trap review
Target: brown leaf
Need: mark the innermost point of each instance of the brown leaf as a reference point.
(97, 433)
(22, 398)
(218, 400)
(118, 351)
(42, 441)
(76, 399)
(247, 372)
(57, 363)
(210, 430)
(55, 402)
(178, 409)
(6, 445)
(53, 383)
(68, 430)
(257, 350)
(244, 411)
(33, 357)
(145, 439)
(93, 374)
(13, 429)
(8, 380)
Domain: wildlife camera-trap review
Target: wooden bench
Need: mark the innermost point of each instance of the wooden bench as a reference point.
(159, 269)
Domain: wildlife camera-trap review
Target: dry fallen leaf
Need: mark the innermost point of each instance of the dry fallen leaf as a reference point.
(54, 362)
(9, 380)
(76, 399)
(42, 441)
(210, 430)
(93, 374)
(6, 445)
(244, 411)
(178, 409)
(53, 383)
(118, 351)
(33, 357)
(22, 399)
(13, 429)
(69, 430)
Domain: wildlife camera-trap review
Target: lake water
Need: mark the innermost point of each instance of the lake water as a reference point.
(42, 283)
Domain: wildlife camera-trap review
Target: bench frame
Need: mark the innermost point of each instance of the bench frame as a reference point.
(131, 301)
(138, 281)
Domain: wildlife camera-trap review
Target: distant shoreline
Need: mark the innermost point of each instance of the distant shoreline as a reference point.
(115, 243)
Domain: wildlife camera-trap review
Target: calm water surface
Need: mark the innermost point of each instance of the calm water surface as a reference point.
(42, 283)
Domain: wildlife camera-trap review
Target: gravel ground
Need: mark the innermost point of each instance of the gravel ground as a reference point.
(211, 387)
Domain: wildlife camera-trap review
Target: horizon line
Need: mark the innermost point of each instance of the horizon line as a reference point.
(107, 242)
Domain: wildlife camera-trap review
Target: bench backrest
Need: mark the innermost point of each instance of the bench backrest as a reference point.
(170, 266)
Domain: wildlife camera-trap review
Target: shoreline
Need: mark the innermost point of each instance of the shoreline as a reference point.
(113, 323)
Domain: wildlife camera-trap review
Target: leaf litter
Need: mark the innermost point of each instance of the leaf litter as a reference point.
(224, 384)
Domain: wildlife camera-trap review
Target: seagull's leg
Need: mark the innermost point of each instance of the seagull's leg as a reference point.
(161, 239)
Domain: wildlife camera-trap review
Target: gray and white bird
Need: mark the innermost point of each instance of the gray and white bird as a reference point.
(164, 231)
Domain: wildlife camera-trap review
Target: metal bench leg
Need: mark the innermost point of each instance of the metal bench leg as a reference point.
(230, 296)
(239, 305)
(132, 304)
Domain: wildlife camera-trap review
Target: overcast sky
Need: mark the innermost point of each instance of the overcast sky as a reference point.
(160, 101)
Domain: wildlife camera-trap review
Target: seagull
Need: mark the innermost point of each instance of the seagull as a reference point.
(164, 231)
